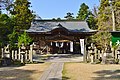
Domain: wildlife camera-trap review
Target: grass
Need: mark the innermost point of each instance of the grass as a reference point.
(27, 72)
(82, 71)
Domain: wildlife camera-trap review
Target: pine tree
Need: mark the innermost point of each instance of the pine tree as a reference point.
(69, 16)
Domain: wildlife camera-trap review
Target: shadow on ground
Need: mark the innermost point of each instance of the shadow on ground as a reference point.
(16, 74)
(53, 56)
(107, 75)
(65, 78)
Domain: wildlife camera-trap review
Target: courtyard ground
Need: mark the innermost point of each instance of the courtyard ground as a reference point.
(83, 71)
(27, 72)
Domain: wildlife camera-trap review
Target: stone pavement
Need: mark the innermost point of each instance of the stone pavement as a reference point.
(54, 72)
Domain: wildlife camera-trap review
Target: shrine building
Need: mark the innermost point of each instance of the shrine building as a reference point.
(60, 36)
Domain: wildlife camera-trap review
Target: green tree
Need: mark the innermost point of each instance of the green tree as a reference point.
(116, 8)
(103, 37)
(6, 26)
(84, 14)
(24, 39)
(23, 15)
(69, 16)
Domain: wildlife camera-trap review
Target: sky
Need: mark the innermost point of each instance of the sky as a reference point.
(48, 9)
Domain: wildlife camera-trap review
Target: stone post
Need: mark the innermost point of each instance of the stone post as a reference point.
(22, 57)
(31, 53)
(103, 57)
(71, 46)
(92, 57)
(16, 54)
(19, 56)
(26, 55)
(95, 51)
(22, 52)
(12, 54)
(2, 50)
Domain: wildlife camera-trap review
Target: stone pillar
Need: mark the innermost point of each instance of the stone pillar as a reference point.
(13, 54)
(95, 51)
(99, 54)
(71, 46)
(16, 54)
(104, 58)
(92, 58)
(22, 57)
(2, 49)
(88, 58)
(26, 55)
(31, 53)
(19, 53)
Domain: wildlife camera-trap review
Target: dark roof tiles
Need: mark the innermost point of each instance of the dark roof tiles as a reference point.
(73, 26)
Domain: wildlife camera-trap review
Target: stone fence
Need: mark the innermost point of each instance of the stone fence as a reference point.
(23, 53)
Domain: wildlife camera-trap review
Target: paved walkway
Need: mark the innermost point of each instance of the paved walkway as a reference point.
(54, 72)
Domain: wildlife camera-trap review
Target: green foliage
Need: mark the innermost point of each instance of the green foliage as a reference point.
(116, 8)
(83, 12)
(24, 39)
(92, 22)
(69, 16)
(23, 15)
(102, 39)
(13, 39)
(6, 26)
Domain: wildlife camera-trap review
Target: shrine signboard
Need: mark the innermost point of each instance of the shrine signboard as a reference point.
(115, 38)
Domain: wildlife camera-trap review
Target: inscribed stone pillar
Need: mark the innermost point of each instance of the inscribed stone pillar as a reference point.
(15, 54)
(71, 46)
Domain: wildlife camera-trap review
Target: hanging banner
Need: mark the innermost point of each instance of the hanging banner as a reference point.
(82, 46)
(71, 46)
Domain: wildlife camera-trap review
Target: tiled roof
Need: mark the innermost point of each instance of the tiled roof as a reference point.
(49, 25)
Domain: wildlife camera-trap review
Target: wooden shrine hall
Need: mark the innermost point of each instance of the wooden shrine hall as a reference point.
(60, 36)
